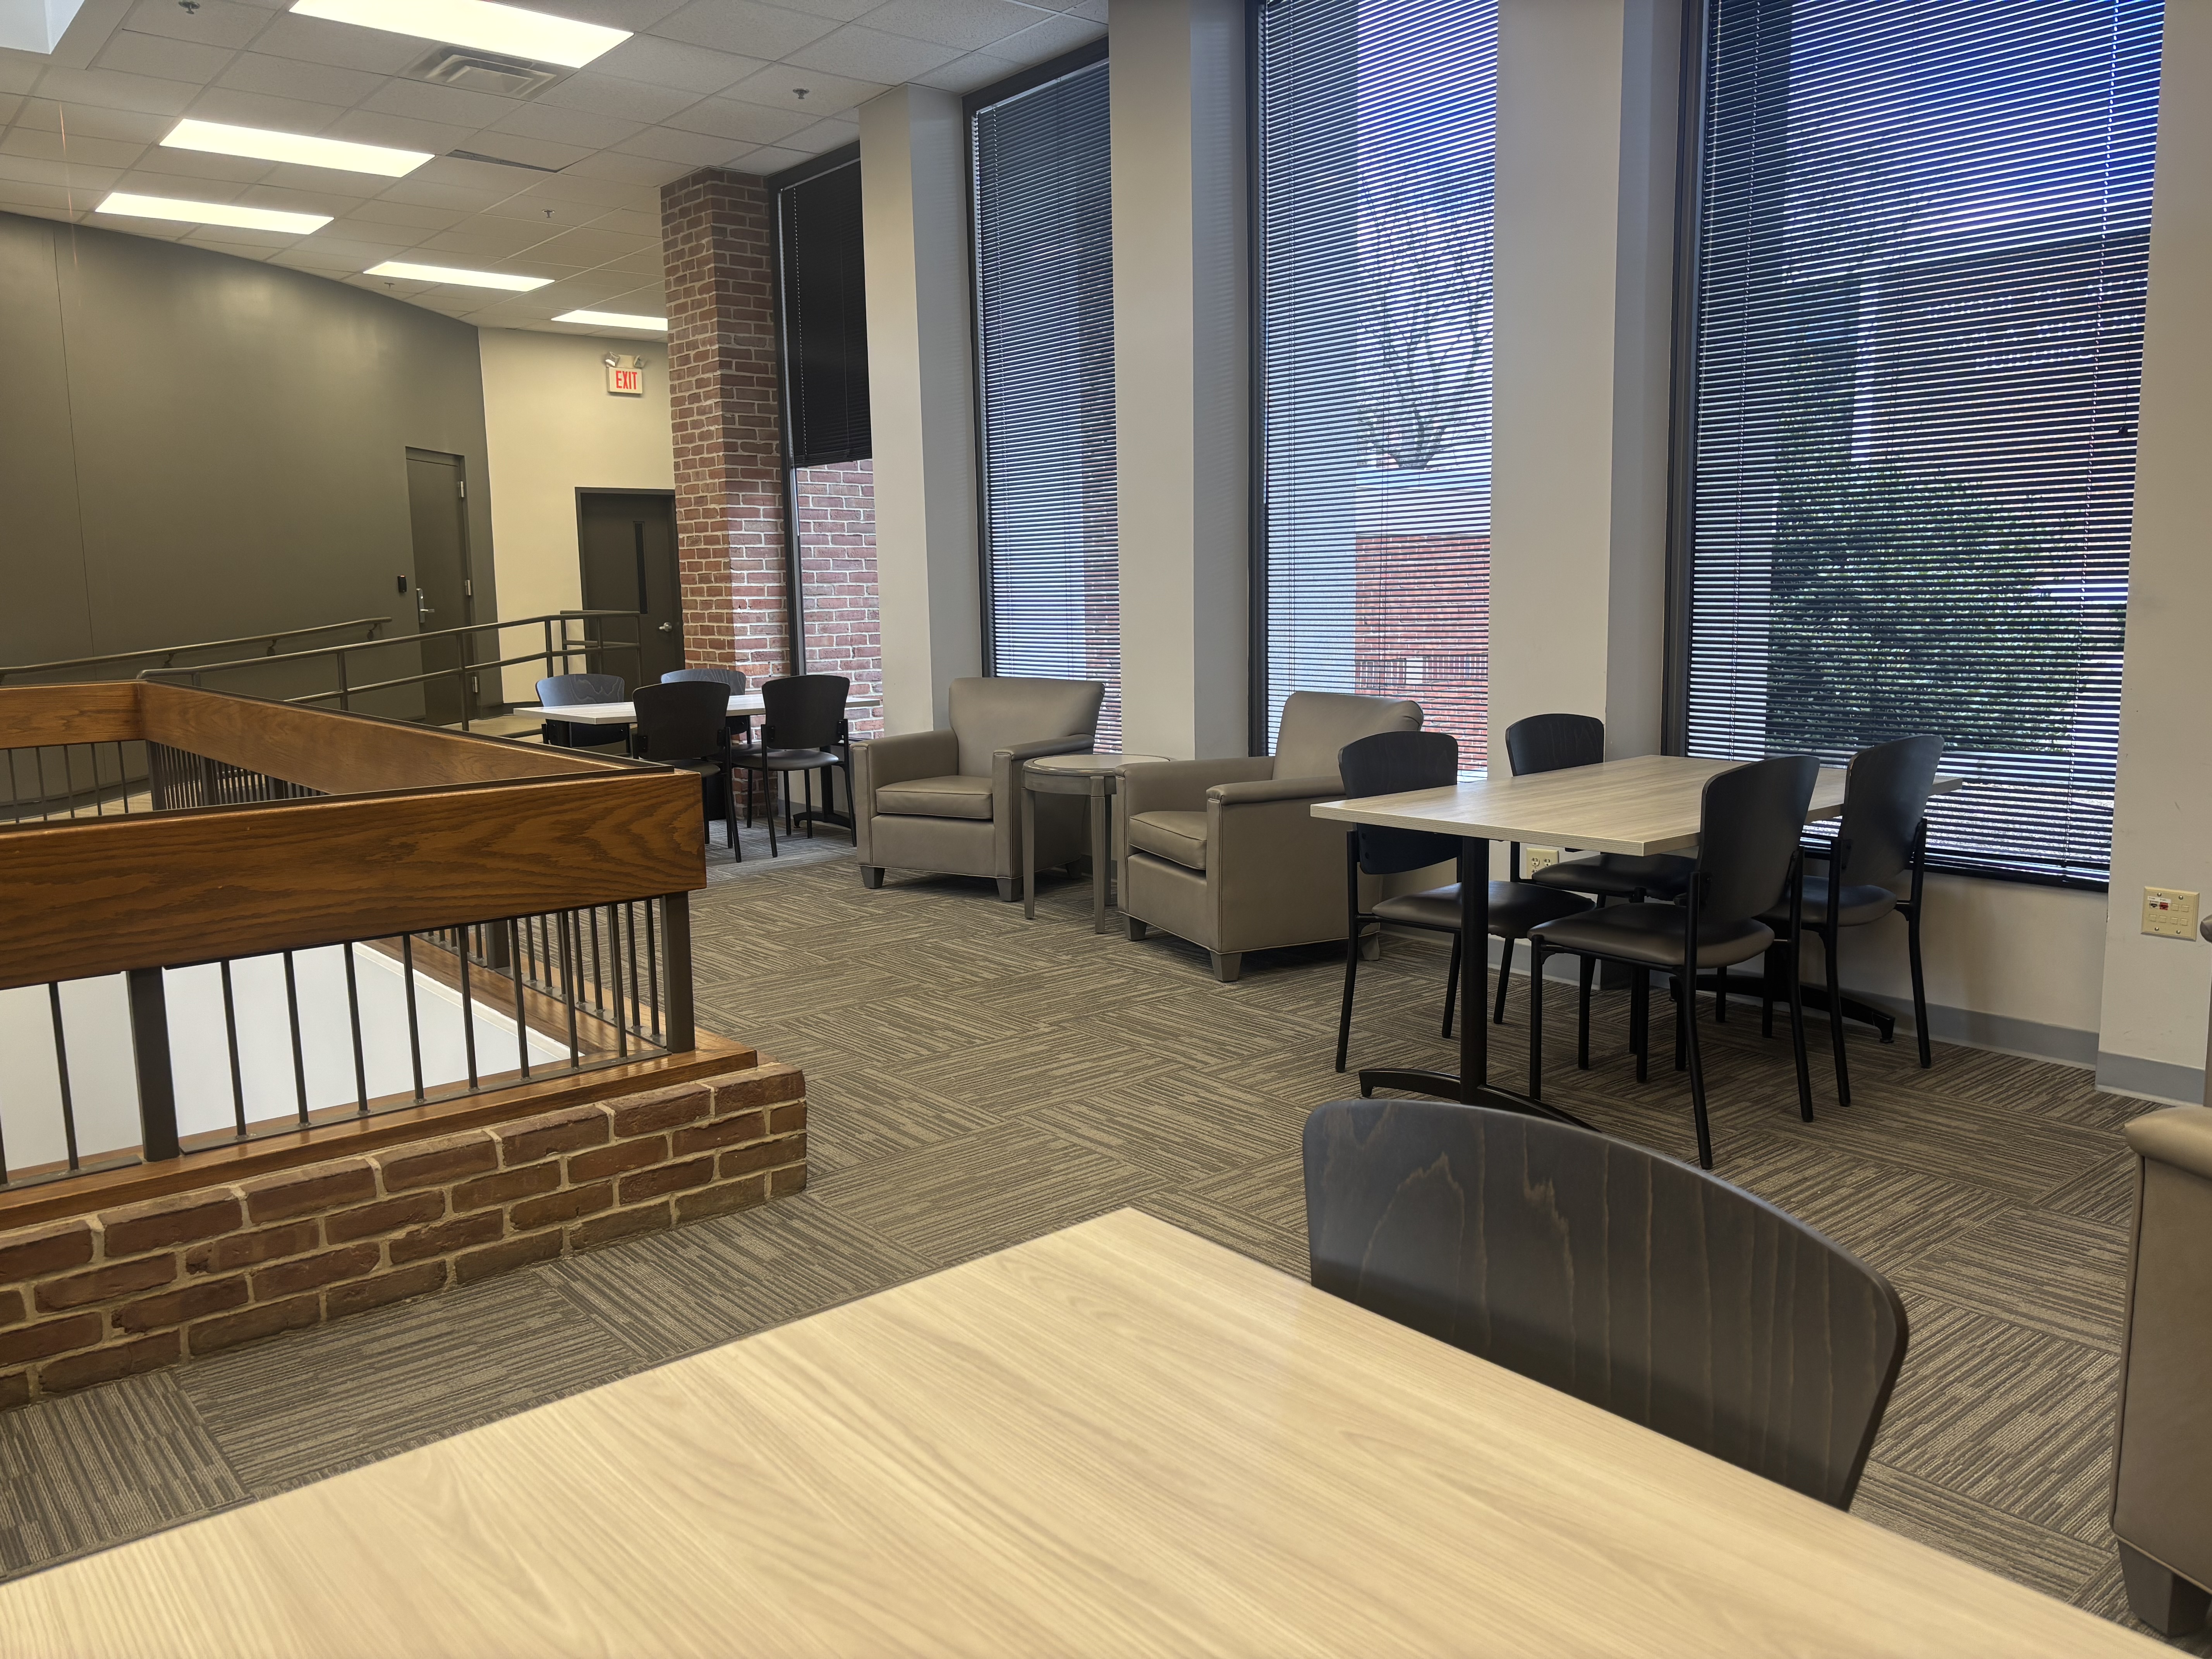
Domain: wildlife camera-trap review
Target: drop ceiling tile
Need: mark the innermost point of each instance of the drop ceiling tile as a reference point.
(866, 54)
(614, 167)
(112, 89)
(289, 195)
(42, 200)
(607, 94)
(71, 150)
(197, 165)
(727, 118)
(370, 126)
(561, 214)
(777, 86)
(399, 216)
(175, 60)
(1093, 9)
(627, 222)
(744, 28)
(495, 182)
(352, 229)
(769, 159)
(259, 109)
(214, 23)
(498, 239)
(628, 267)
(661, 63)
(462, 195)
(36, 170)
(537, 153)
(428, 103)
(620, 14)
(288, 77)
(977, 69)
(823, 135)
(144, 181)
(1041, 42)
(571, 184)
(9, 103)
(316, 40)
(357, 254)
(567, 126)
(698, 149)
(232, 239)
(844, 11)
(314, 255)
(90, 121)
(969, 25)
(20, 70)
(593, 246)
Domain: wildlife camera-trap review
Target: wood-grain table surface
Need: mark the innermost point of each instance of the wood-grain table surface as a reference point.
(1114, 1440)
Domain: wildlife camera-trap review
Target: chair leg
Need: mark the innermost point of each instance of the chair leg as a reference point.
(768, 785)
(1227, 965)
(1582, 1029)
(1828, 941)
(1919, 988)
(2164, 1600)
(1685, 1004)
(1504, 978)
(1639, 1020)
(730, 815)
(810, 805)
(1344, 1014)
(1720, 998)
(872, 875)
(1536, 1020)
(1010, 890)
(1791, 976)
(1137, 929)
(748, 797)
(1771, 970)
(1698, 1087)
(1451, 987)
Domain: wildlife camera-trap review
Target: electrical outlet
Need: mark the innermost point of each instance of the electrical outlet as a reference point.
(1534, 859)
(2169, 913)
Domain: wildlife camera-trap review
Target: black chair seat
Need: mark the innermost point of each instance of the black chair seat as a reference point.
(1860, 904)
(785, 760)
(1652, 936)
(1514, 907)
(1618, 875)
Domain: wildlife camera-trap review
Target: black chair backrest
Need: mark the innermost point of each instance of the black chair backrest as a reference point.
(732, 677)
(1546, 743)
(1642, 1285)
(804, 711)
(687, 721)
(564, 691)
(1885, 793)
(1391, 763)
(1748, 829)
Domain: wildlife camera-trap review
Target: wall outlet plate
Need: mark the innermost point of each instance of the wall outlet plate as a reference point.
(1534, 859)
(2169, 913)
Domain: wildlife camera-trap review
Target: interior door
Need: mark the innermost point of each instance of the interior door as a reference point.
(437, 506)
(626, 543)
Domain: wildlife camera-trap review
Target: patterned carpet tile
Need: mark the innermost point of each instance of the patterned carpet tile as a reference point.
(1958, 1525)
(2055, 1273)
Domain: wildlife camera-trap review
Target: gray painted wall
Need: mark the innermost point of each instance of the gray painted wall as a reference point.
(194, 446)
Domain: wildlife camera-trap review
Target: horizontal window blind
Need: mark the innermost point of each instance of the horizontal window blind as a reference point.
(1921, 251)
(1375, 155)
(825, 317)
(1044, 291)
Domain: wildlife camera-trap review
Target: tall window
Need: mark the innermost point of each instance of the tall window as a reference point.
(1376, 165)
(1921, 247)
(1044, 301)
(823, 301)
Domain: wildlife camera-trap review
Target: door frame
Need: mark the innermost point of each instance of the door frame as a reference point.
(472, 699)
(675, 553)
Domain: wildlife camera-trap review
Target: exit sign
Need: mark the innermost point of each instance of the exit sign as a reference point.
(626, 377)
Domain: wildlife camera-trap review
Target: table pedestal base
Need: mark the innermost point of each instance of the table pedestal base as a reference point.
(1814, 997)
(1444, 1085)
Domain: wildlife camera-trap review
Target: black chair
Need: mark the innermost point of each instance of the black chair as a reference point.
(687, 726)
(1552, 742)
(561, 689)
(1749, 822)
(802, 731)
(1612, 1274)
(1390, 763)
(1883, 835)
(734, 679)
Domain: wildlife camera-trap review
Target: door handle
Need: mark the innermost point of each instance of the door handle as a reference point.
(668, 627)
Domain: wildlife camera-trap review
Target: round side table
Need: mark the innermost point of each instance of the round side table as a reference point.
(1096, 776)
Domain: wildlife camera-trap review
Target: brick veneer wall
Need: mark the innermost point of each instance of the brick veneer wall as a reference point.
(724, 406)
(146, 1285)
(836, 506)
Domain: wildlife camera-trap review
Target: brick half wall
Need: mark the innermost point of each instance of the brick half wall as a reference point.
(147, 1284)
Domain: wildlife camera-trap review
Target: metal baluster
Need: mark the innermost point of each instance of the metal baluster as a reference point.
(599, 967)
(629, 914)
(521, 1015)
(230, 1031)
(353, 1012)
(299, 1052)
(615, 989)
(468, 1009)
(61, 1071)
(157, 1080)
(569, 966)
(414, 1026)
(653, 970)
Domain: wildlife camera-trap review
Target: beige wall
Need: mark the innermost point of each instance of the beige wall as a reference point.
(551, 428)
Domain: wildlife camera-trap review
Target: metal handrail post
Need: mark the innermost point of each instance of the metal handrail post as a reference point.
(157, 1083)
(676, 1017)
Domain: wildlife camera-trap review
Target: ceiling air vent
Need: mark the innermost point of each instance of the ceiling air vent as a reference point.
(484, 71)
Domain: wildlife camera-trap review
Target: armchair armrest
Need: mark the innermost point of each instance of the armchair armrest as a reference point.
(1183, 786)
(1006, 794)
(1264, 789)
(901, 759)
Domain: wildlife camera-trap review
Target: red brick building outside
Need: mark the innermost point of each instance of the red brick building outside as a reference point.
(1421, 629)
(837, 580)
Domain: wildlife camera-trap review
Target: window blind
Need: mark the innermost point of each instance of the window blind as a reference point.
(825, 317)
(1374, 131)
(1922, 248)
(1044, 292)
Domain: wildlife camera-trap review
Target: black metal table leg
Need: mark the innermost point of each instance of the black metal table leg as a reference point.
(1472, 1085)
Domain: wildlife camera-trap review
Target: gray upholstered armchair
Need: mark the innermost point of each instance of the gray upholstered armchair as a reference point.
(951, 801)
(1226, 853)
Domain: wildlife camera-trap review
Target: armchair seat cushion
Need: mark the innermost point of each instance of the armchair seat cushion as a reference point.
(1178, 837)
(957, 796)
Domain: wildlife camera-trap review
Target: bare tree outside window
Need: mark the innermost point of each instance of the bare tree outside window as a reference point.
(1425, 323)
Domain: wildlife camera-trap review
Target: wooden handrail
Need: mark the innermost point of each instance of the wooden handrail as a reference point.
(37, 716)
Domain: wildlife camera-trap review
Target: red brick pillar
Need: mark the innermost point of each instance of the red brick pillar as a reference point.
(718, 256)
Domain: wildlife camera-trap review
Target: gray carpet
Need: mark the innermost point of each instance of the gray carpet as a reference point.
(975, 1080)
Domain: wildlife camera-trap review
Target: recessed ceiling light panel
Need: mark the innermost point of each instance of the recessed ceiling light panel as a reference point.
(262, 145)
(533, 34)
(212, 213)
(615, 320)
(412, 273)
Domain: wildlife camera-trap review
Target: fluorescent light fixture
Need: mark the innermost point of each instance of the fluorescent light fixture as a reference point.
(447, 274)
(212, 213)
(265, 146)
(615, 320)
(479, 23)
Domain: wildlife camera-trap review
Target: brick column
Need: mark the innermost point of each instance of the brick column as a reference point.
(724, 404)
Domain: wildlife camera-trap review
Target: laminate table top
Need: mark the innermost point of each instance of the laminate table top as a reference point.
(1118, 1439)
(622, 714)
(1646, 805)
